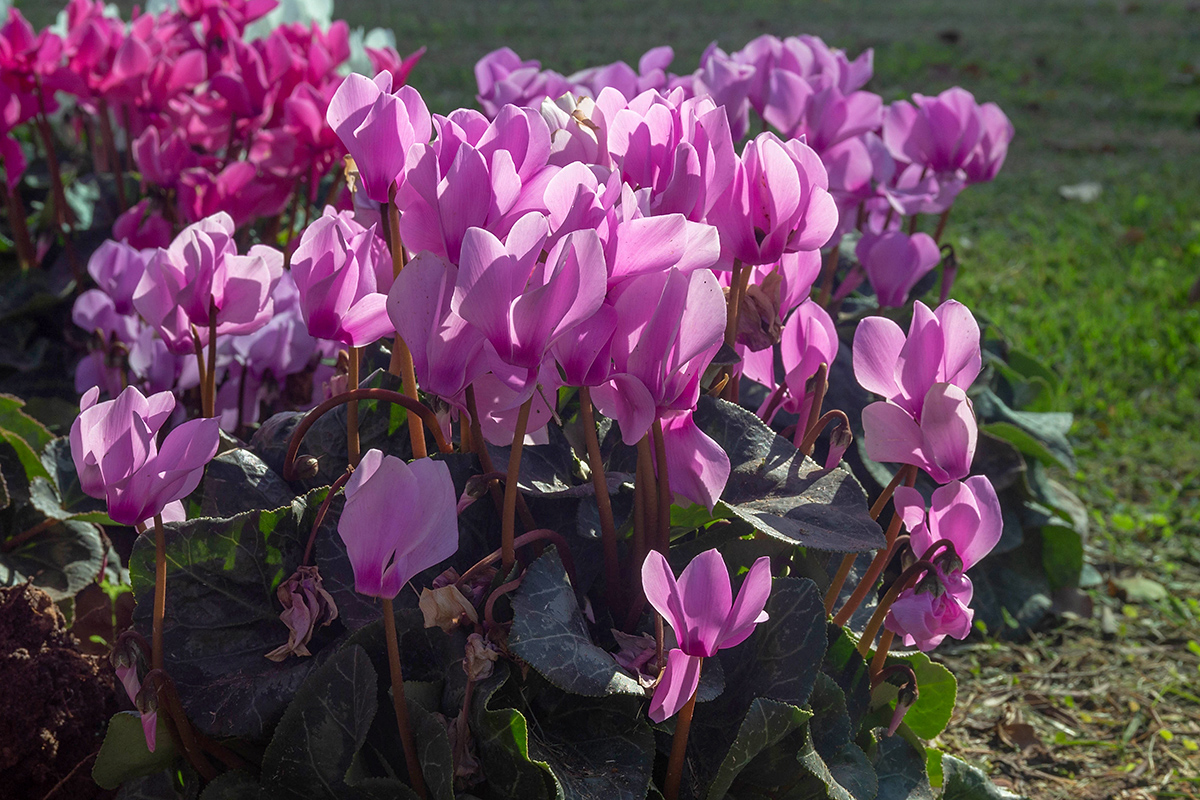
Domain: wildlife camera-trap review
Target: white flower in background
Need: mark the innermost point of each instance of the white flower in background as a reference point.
(359, 42)
(288, 11)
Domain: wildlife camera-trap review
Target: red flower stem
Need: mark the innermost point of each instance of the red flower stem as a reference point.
(555, 538)
(732, 305)
(881, 653)
(210, 409)
(110, 153)
(907, 578)
(941, 226)
(199, 348)
(664, 491)
(636, 596)
(352, 446)
(16, 218)
(160, 592)
(312, 537)
(907, 475)
(810, 438)
(508, 521)
(912, 224)
(422, 412)
(683, 724)
(489, 608)
(485, 461)
(827, 272)
(737, 290)
(402, 363)
(415, 776)
(650, 496)
(812, 429)
(608, 528)
(177, 722)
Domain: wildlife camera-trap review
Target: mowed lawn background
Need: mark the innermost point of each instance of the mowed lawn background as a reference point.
(1106, 92)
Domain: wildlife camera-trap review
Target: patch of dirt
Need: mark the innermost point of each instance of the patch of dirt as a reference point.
(1104, 707)
(56, 702)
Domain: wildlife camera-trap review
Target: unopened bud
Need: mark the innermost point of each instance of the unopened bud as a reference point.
(307, 467)
(949, 560)
(839, 440)
(759, 322)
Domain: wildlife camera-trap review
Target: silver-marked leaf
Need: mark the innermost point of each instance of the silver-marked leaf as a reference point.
(766, 722)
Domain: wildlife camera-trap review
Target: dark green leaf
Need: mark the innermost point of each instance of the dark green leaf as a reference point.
(937, 692)
(849, 671)
(551, 635)
(784, 495)
(433, 750)
(234, 785)
(1049, 428)
(546, 469)
(502, 736)
(964, 782)
(223, 615)
(831, 722)
(60, 559)
(766, 722)
(324, 726)
(1022, 440)
(124, 755)
(1062, 556)
(237, 481)
(900, 768)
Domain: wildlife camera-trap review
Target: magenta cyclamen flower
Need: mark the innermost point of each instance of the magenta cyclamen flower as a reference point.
(939, 133)
(201, 272)
(399, 520)
(378, 128)
(335, 270)
(942, 346)
(704, 615)
(941, 440)
(894, 262)
(937, 607)
(989, 154)
(118, 459)
(965, 513)
(778, 202)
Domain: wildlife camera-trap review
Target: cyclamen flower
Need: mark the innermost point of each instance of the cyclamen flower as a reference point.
(336, 271)
(701, 610)
(987, 158)
(113, 445)
(201, 272)
(964, 513)
(697, 467)
(378, 128)
(939, 133)
(894, 262)
(940, 440)
(939, 606)
(778, 203)
(942, 346)
(809, 339)
(399, 520)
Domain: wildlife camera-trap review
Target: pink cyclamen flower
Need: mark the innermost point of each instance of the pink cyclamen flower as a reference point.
(118, 459)
(201, 272)
(987, 158)
(939, 133)
(937, 607)
(669, 327)
(808, 340)
(522, 304)
(335, 270)
(399, 520)
(777, 203)
(704, 615)
(965, 513)
(378, 127)
(697, 467)
(942, 346)
(894, 262)
(940, 441)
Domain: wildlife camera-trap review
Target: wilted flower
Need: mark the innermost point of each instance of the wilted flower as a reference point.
(445, 607)
(306, 607)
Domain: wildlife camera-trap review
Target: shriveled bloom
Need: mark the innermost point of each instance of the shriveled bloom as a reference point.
(335, 270)
(306, 607)
(701, 609)
(895, 261)
(201, 274)
(399, 520)
(942, 346)
(378, 128)
(778, 203)
(117, 457)
(964, 513)
(941, 440)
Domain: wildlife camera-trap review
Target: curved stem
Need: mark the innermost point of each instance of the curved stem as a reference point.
(839, 580)
(608, 528)
(881, 652)
(312, 537)
(180, 725)
(941, 226)
(485, 461)
(413, 406)
(26, 252)
(490, 606)
(650, 493)
(867, 582)
(555, 538)
(352, 443)
(508, 521)
(907, 578)
(820, 384)
(415, 776)
(664, 491)
(683, 725)
(210, 385)
(810, 438)
(160, 592)
(202, 370)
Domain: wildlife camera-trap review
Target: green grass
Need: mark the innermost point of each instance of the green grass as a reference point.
(1098, 91)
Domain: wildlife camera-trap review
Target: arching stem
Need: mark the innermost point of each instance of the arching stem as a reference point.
(312, 537)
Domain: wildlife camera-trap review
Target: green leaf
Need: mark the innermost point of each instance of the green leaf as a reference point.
(831, 722)
(224, 616)
(849, 671)
(502, 736)
(323, 727)
(937, 689)
(1062, 556)
(900, 769)
(237, 481)
(783, 494)
(1049, 428)
(766, 723)
(433, 750)
(60, 559)
(848, 776)
(24, 434)
(233, 785)
(1022, 440)
(551, 635)
(124, 755)
(964, 782)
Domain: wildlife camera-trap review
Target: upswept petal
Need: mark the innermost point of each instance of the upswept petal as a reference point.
(706, 598)
(949, 430)
(748, 607)
(877, 345)
(676, 686)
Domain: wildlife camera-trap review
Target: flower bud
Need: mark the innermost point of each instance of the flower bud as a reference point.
(307, 467)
